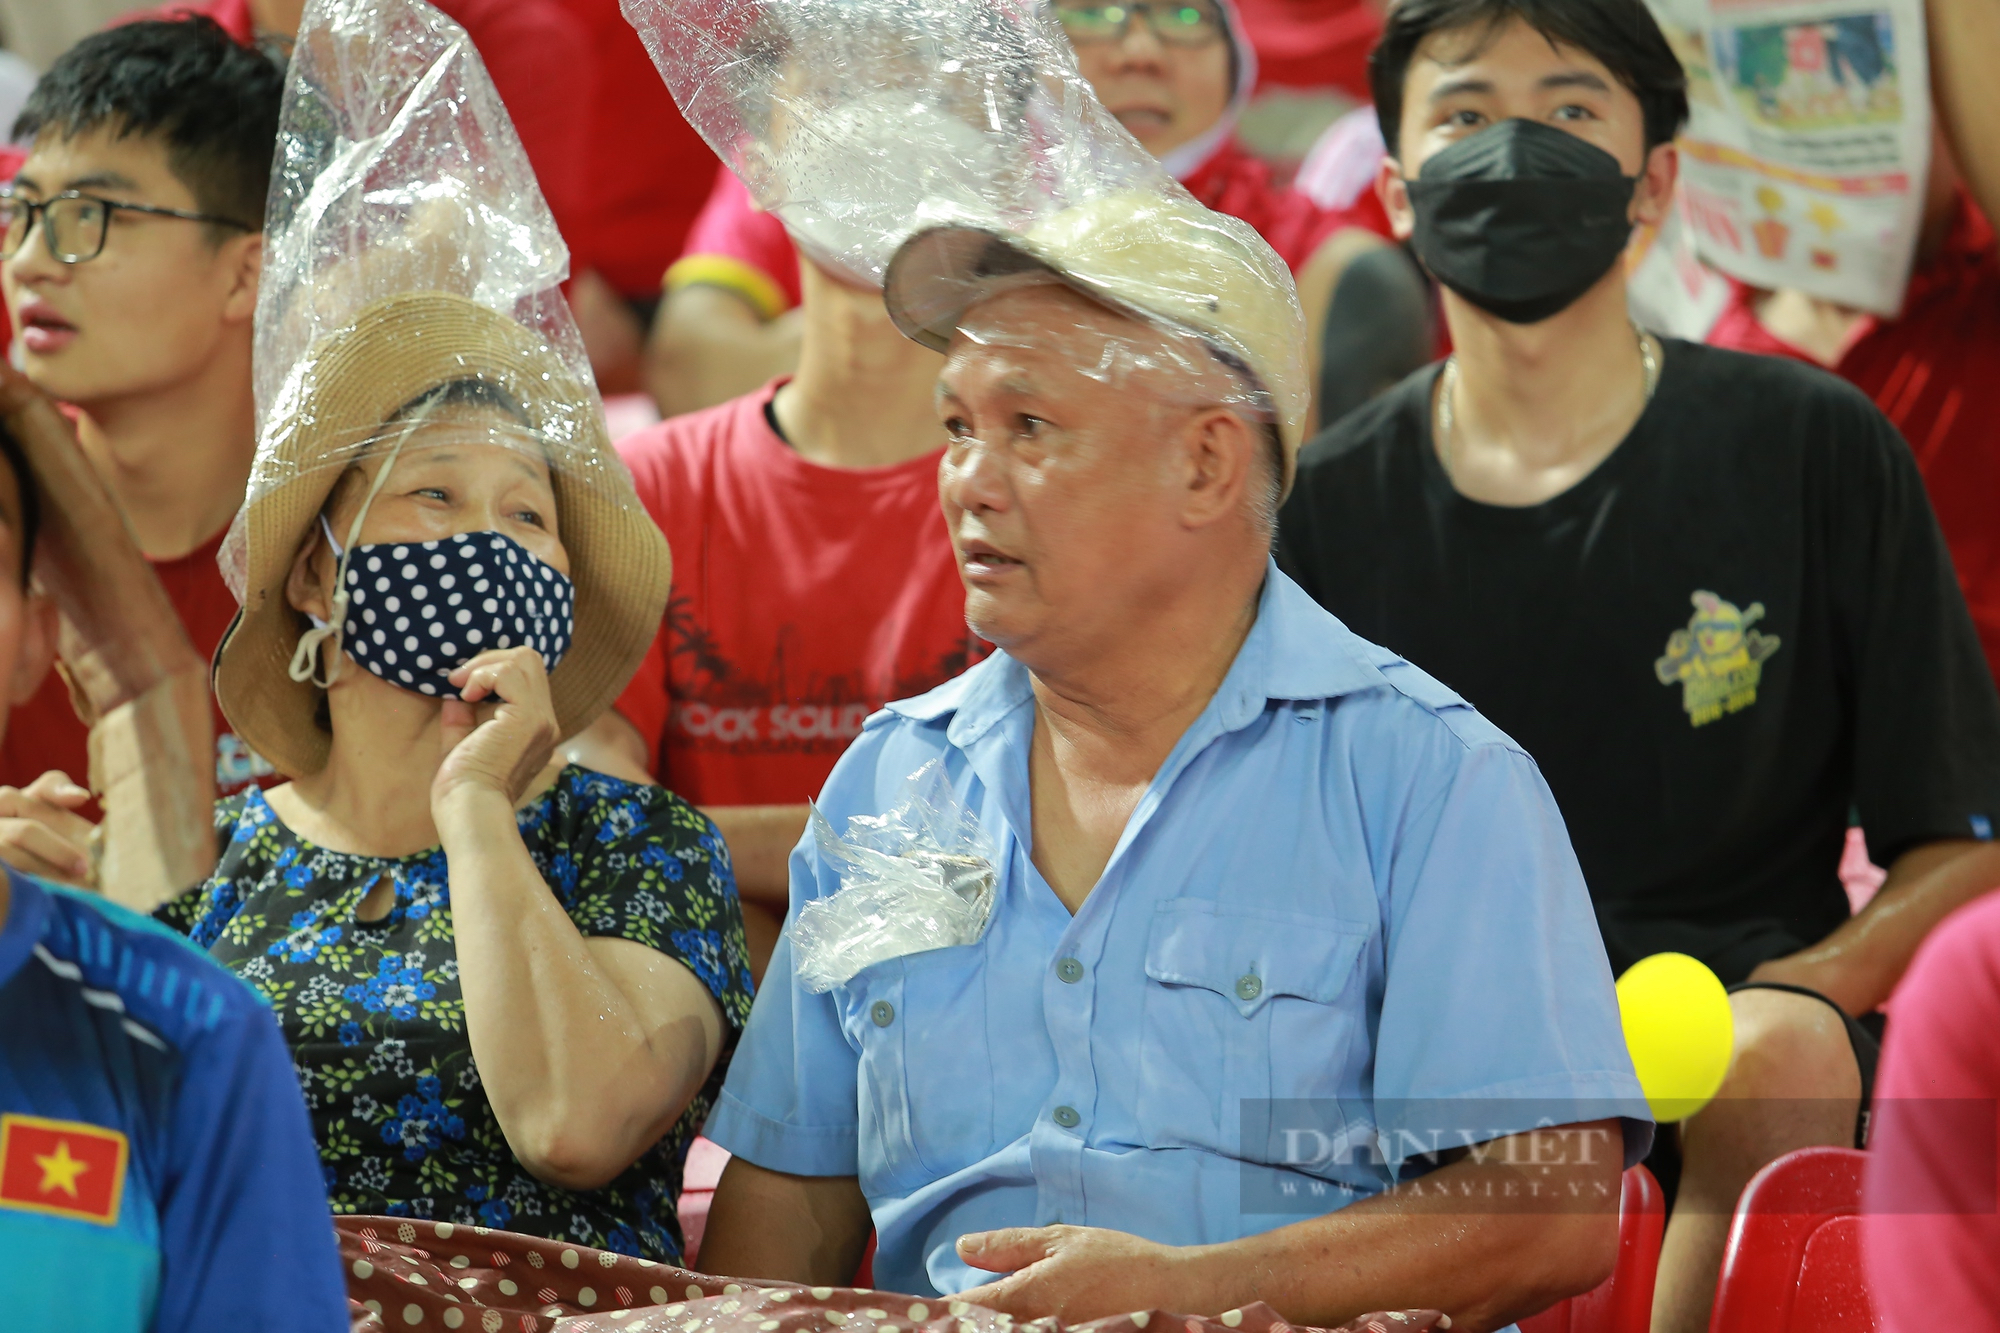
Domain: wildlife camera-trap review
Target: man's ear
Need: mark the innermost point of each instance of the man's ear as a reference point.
(37, 647)
(1222, 464)
(308, 586)
(1394, 192)
(1654, 196)
(246, 268)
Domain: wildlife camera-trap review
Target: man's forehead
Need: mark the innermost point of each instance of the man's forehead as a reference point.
(1504, 45)
(96, 158)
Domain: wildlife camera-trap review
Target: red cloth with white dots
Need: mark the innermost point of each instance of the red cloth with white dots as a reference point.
(404, 1274)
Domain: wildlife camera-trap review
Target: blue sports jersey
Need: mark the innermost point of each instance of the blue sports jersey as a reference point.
(156, 1167)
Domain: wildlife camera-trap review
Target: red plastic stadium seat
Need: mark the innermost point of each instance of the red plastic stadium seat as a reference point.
(1794, 1259)
(1623, 1302)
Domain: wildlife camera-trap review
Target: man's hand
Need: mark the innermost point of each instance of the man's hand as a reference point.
(1397, 1321)
(1080, 1273)
(502, 754)
(40, 831)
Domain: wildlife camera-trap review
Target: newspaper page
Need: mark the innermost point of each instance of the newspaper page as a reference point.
(1808, 141)
(1667, 287)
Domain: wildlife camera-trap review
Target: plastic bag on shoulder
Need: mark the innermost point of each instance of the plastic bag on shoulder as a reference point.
(916, 878)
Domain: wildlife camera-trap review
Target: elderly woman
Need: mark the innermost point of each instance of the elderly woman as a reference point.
(509, 984)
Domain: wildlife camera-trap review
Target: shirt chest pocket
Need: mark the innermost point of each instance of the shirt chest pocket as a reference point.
(926, 1071)
(1244, 1006)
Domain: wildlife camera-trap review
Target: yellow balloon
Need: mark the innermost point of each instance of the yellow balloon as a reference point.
(1680, 1031)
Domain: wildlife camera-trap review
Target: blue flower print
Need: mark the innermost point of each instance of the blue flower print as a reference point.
(662, 860)
(620, 821)
(303, 943)
(394, 989)
(375, 1015)
(422, 1122)
(255, 815)
(702, 951)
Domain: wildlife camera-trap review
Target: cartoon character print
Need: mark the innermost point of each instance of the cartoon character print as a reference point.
(1718, 659)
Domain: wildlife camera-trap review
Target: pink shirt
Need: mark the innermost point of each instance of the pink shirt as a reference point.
(1933, 1238)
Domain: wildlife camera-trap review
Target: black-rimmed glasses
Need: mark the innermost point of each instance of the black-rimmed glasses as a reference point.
(74, 224)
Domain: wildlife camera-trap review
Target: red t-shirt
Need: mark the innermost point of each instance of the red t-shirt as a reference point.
(804, 598)
(1932, 1240)
(736, 245)
(648, 171)
(539, 56)
(1935, 372)
(44, 733)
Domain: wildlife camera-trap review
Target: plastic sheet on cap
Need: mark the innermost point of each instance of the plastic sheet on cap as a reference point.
(860, 121)
(865, 123)
(397, 174)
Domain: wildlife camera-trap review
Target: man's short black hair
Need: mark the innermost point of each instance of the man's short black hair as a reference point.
(211, 101)
(30, 516)
(1620, 34)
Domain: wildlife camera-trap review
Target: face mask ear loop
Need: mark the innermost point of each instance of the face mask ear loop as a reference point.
(306, 657)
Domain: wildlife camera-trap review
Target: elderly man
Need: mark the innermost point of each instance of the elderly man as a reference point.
(1261, 886)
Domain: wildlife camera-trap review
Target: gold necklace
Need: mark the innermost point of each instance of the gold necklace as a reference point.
(1446, 434)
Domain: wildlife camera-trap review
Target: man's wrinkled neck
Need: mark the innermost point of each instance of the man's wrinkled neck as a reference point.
(1151, 670)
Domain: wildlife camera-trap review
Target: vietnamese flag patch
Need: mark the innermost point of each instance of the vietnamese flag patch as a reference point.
(63, 1167)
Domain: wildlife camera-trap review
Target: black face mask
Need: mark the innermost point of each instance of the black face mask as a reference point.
(1521, 219)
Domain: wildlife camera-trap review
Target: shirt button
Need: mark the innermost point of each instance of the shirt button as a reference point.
(1067, 1117)
(883, 1013)
(1070, 970)
(1249, 986)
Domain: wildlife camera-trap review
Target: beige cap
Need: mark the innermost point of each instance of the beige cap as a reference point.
(1156, 255)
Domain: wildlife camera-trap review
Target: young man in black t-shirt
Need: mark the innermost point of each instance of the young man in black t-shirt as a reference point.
(1704, 590)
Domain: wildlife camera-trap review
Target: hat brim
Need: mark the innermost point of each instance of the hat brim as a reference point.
(940, 273)
(396, 350)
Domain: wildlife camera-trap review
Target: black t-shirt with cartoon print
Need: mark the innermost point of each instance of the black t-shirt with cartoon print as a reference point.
(1741, 626)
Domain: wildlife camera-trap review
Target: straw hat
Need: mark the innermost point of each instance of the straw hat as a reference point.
(354, 381)
(1157, 256)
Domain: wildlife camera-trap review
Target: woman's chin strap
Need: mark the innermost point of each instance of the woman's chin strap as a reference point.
(305, 658)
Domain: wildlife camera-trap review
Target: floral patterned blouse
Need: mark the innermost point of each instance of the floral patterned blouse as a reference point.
(375, 1019)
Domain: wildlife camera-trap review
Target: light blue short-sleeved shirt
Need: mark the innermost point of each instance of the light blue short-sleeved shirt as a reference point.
(1344, 924)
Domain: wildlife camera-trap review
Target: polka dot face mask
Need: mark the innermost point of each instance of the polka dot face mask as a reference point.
(418, 611)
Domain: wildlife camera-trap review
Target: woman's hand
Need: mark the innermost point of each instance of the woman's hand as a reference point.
(501, 755)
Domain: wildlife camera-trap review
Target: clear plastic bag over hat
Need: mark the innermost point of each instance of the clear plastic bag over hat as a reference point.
(860, 121)
(917, 878)
(865, 123)
(407, 245)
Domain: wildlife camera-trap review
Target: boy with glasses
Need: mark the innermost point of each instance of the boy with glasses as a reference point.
(129, 259)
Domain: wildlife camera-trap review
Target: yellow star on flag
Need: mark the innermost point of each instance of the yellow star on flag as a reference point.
(60, 1170)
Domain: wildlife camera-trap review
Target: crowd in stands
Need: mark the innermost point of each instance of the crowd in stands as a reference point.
(1349, 639)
